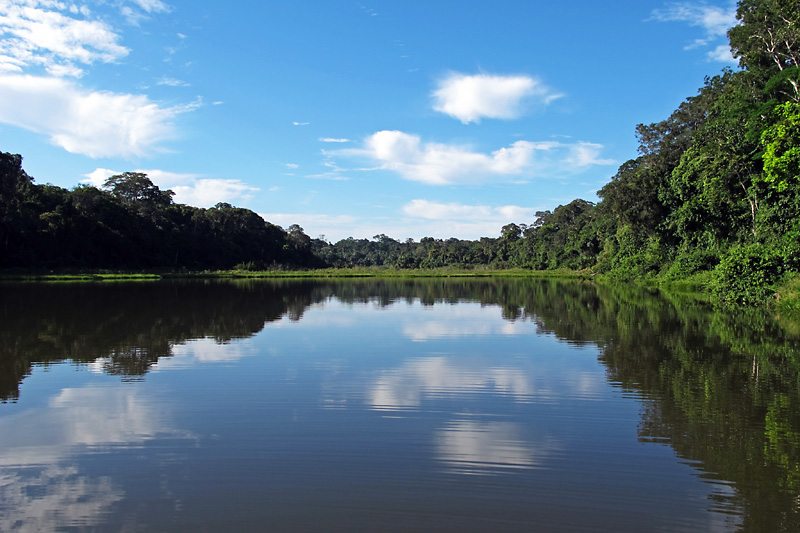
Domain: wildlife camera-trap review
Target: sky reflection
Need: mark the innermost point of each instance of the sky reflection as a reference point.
(479, 447)
(428, 378)
(42, 488)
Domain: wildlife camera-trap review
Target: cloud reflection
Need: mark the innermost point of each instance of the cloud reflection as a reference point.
(475, 447)
(41, 488)
(419, 379)
(463, 325)
(47, 500)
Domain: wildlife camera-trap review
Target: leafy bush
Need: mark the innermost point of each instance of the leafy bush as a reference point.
(747, 273)
(691, 262)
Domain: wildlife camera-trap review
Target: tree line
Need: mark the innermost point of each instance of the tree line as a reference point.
(131, 224)
(714, 194)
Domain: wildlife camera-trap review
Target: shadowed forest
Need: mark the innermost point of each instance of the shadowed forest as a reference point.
(712, 196)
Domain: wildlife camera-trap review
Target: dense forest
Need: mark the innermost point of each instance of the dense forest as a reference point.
(713, 195)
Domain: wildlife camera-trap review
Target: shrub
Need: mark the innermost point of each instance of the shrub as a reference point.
(747, 273)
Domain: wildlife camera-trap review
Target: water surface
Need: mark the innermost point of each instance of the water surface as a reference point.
(447, 405)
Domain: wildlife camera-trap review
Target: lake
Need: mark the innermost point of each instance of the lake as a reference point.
(381, 405)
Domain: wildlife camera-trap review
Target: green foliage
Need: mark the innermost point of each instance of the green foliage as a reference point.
(746, 274)
(691, 262)
(781, 143)
(131, 225)
(714, 188)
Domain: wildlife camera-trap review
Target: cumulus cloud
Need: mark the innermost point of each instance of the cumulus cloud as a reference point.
(453, 211)
(471, 98)
(721, 53)
(714, 20)
(584, 154)
(442, 164)
(190, 189)
(206, 192)
(48, 34)
(92, 123)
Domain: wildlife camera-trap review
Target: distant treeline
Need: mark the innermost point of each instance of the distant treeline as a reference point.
(713, 195)
(132, 224)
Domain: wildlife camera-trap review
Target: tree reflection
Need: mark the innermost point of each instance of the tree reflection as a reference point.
(720, 387)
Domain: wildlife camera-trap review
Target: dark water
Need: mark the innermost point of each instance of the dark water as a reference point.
(434, 405)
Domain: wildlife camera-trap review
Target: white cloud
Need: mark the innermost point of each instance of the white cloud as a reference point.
(442, 164)
(722, 53)
(152, 6)
(43, 33)
(313, 223)
(584, 154)
(190, 189)
(417, 219)
(162, 178)
(300, 123)
(207, 192)
(171, 82)
(96, 124)
(332, 140)
(453, 212)
(714, 20)
(470, 98)
(291, 165)
(145, 8)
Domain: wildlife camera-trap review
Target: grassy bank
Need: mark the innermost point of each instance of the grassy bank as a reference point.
(388, 272)
(360, 272)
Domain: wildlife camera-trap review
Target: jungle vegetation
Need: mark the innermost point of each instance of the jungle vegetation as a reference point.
(713, 196)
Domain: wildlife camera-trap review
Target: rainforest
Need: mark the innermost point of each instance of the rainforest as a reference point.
(712, 199)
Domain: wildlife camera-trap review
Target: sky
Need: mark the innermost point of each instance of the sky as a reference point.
(351, 118)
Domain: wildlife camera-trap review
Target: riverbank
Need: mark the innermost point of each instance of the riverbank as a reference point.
(786, 299)
(358, 272)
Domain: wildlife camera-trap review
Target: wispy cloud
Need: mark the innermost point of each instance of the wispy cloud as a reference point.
(92, 123)
(333, 140)
(714, 20)
(54, 35)
(584, 154)
(300, 123)
(141, 10)
(442, 164)
(171, 82)
(469, 98)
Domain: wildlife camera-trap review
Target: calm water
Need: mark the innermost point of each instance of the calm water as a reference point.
(505, 405)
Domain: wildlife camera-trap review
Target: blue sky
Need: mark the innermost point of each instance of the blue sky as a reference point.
(351, 118)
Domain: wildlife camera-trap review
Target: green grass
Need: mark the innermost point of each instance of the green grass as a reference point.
(787, 296)
(326, 273)
(383, 272)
